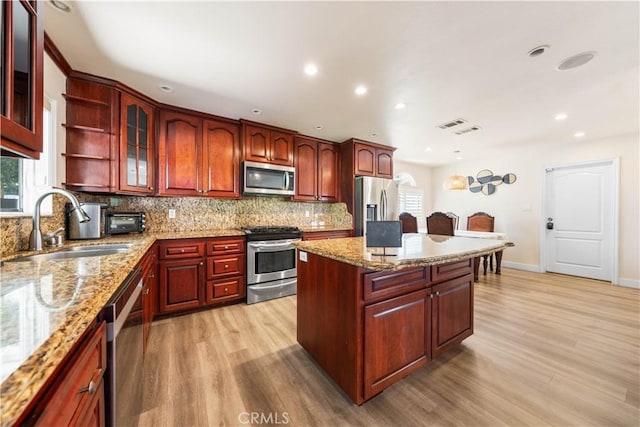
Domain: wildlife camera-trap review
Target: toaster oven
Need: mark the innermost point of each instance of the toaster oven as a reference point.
(125, 222)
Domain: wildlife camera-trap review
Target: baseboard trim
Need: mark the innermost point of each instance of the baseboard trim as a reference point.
(520, 266)
(629, 283)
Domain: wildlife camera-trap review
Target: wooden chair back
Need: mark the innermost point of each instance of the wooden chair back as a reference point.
(440, 223)
(409, 223)
(456, 219)
(480, 221)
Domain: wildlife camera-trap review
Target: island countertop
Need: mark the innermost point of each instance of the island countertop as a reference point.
(418, 250)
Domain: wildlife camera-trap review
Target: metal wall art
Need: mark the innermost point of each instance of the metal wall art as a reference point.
(486, 182)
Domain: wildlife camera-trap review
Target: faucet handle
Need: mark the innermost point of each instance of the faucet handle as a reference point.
(53, 239)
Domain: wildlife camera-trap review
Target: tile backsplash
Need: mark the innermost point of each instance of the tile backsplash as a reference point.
(191, 214)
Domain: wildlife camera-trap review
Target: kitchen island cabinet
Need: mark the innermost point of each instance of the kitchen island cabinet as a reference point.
(371, 320)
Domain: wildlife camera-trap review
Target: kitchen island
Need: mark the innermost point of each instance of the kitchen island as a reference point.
(370, 320)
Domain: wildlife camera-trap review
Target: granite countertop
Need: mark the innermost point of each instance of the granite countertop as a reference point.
(418, 250)
(46, 306)
(320, 228)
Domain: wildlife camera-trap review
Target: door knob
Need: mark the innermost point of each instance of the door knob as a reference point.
(549, 223)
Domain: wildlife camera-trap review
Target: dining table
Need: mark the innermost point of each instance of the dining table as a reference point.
(484, 235)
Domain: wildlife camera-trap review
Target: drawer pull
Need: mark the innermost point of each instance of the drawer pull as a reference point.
(91, 388)
(226, 290)
(226, 266)
(201, 263)
(181, 251)
(226, 247)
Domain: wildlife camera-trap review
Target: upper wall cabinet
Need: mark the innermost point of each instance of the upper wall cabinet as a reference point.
(373, 160)
(317, 169)
(21, 94)
(198, 157)
(267, 144)
(136, 145)
(92, 142)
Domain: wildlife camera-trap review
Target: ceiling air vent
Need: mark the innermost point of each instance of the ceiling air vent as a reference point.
(467, 130)
(452, 124)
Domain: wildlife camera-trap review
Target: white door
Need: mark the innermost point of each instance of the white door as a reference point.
(579, 222)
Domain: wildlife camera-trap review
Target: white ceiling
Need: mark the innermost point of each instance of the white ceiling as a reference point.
(445, 60)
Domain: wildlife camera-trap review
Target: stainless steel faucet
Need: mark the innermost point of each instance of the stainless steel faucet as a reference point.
(35, 239)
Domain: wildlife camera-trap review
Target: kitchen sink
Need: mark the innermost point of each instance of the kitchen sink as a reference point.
(77, 252)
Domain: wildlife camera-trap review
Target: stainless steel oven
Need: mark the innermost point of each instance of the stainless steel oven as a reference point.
(271, 262)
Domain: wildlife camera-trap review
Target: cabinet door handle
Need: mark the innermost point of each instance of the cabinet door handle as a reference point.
(91, 388)
(226, 290)
(431, 296)
(438, 293)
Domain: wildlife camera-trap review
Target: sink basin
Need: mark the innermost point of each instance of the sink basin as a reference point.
(77, 252)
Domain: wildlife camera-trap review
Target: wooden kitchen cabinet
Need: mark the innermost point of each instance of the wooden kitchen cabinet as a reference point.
(267, 144)
(226, 270)
(317, 170)
(452, 308)
(21, 97)
(91, 154)
(199, 272)
(181, 274)
(396, 339)
(77, 398)
(137, 154)
(149, 292)
(373, 160)
(198, 157)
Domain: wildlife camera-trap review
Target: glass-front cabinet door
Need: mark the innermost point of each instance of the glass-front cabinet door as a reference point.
(21, 93)
(136, 145)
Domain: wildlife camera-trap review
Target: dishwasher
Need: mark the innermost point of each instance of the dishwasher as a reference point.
(125, 355)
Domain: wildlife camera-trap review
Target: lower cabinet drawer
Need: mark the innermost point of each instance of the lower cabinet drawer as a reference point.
(451, 270)
(222, 290)
(181, 249)
(221, 266)
(387, 284)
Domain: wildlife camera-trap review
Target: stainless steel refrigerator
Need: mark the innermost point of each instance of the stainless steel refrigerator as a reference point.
(375, 200)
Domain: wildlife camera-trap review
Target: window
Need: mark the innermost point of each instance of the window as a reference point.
(22, 181)
(411, 200)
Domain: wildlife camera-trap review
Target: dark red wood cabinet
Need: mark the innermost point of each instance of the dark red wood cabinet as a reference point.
(21, 97)
(198, 157)
(317, 170)
(137, 148)
(199, 272)
(373, 160)
(267, 144)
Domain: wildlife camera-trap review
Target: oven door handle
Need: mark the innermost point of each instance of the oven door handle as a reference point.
(278, 285)
(270, 245)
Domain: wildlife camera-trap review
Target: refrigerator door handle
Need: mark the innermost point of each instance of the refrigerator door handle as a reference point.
(383, 205)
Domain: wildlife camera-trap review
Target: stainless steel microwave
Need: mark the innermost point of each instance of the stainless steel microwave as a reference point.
(265, 179)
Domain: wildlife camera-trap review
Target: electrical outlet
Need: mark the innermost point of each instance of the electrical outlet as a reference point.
(306, 214)
(172, 213)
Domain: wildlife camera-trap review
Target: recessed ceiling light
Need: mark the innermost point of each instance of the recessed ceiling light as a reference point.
(361, 90)
(256, 111)
(166, 88)
(560, 116)
(60, 5)
(537, 51)
(319, 127)
(578, 134)
(310, 69)
(400, 105)
(427, 149)
(576, 60)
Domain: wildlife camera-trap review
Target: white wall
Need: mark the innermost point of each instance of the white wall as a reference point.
(517, 207)
(55, 83)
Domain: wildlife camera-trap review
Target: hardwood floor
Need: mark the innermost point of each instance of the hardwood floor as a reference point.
(547, 350)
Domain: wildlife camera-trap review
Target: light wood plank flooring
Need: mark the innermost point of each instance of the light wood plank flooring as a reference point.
(547, 350)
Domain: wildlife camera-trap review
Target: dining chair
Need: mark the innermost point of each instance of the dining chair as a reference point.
(440, 223)
(456, 219)
(409, 223)
(482, 221)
